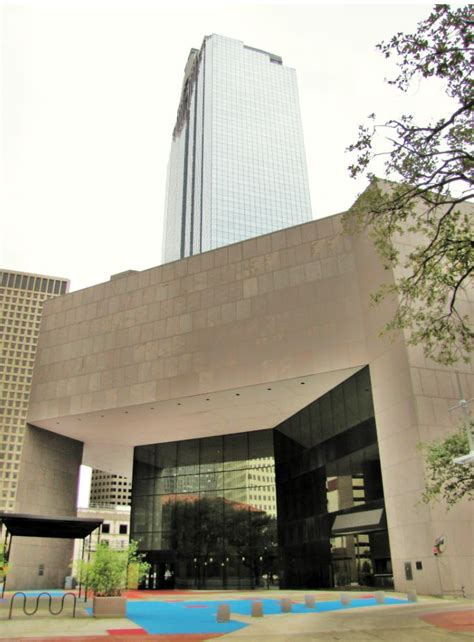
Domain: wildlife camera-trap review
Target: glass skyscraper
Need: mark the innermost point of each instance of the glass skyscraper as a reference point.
(237, 166)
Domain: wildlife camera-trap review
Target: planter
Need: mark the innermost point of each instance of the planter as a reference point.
(109, 606)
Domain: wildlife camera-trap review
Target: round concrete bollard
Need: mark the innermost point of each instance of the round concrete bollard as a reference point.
(223, 613)
(412, 596)
(345, 599)
(257, 609)
(379, 597)
(285, 605)
(310, 601)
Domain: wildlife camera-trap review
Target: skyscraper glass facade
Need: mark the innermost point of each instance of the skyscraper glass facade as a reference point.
(237, 167)
(300, 505)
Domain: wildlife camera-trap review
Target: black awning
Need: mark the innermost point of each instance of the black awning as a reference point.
(366, 521)
(22, 525)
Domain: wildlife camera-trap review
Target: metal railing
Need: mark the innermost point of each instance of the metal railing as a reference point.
(50, 603)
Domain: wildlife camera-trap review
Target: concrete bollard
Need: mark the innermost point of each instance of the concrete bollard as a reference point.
(379, 597)
(257, 609)
(223, 613)
(310, 601)
(285, 605)
(412, 596)
(345, 599)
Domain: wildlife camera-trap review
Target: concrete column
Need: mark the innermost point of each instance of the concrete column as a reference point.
(49, 474)
(412, 396)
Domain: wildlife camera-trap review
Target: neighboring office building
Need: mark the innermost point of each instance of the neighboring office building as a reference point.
(115, 530)
(21, 305)
(255, 480)
(208, 366)
(109, 490)
(237, 166)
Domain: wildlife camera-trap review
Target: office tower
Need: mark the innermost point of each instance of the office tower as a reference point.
(108, 490)
(237, 165)
(21, 304)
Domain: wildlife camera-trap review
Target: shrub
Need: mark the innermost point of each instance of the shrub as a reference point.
(106, 573)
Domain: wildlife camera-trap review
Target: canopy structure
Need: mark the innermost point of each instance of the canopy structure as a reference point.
(23, 525)
(59, 527)
(366, 521)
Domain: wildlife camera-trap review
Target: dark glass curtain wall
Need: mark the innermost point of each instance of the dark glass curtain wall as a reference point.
(261, 508)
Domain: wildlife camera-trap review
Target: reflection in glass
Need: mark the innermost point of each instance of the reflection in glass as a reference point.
(260, 508)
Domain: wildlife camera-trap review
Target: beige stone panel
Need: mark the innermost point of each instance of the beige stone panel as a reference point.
(277, 240)
(429, 385)
(234, 253)
(250, 287)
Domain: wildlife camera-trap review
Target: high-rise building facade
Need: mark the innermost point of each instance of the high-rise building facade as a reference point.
(237, 166)
(109, 490)
(21, 304)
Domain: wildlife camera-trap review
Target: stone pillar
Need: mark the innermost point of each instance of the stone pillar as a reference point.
(49, 474)
(412, 396)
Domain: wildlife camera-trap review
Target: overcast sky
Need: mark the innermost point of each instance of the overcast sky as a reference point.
(89, 99)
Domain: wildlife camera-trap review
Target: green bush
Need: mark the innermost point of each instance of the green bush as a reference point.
(106, 573)
(3, 562)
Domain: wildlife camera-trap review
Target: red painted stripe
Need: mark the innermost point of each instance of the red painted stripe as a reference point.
(461, 621)
(183, 637)
(127, 632)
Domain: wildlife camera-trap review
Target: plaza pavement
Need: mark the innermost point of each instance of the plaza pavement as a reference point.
(428, 620)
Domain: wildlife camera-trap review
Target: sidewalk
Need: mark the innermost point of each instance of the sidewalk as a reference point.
(428, 620)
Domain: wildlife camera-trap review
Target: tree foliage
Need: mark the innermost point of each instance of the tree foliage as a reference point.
(197, 529)
(3, 562)
(430, 169)
(444, 478)
(106, 573)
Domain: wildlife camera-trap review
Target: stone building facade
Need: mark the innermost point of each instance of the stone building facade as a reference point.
(219, 344)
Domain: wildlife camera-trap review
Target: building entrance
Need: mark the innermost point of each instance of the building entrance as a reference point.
(161, 576)
(361, 559)
(297, 506)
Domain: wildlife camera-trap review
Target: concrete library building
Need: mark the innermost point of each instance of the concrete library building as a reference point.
(271, 430)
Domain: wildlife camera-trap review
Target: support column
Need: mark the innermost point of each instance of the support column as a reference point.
(48, 481)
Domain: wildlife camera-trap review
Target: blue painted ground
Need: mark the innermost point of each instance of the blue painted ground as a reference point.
(166, 617)
(200, 617)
